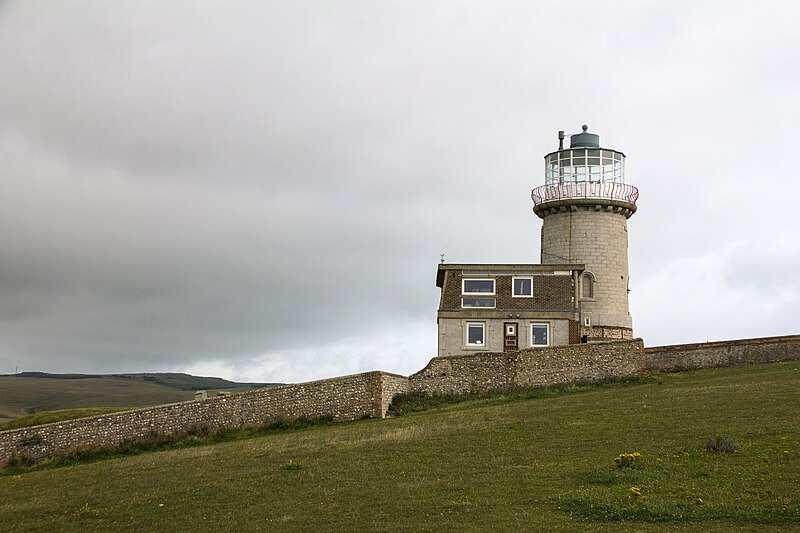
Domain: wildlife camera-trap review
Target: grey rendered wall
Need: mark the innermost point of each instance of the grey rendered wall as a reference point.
(452, 334)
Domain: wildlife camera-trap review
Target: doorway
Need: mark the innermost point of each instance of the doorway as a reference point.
(510, 337)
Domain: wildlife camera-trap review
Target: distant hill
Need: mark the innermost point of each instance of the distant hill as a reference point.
(33, 392)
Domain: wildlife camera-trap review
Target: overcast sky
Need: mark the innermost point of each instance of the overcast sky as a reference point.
(261, 190)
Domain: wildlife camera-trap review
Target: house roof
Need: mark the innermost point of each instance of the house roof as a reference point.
(490, 268)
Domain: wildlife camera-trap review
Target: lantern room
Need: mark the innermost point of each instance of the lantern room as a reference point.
(584, 161)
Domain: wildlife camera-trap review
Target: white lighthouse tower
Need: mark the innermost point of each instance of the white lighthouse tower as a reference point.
(584, 206)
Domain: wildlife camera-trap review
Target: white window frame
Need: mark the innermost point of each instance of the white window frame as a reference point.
(513, 287)
(468, 344)
(549, 339)
(464, 283)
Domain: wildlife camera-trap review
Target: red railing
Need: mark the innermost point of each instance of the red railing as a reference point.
(600, 191)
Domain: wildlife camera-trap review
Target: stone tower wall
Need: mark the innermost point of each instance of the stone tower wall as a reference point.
(597, 238)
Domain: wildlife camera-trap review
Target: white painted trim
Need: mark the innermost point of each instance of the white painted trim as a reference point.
(549, 338)
(467, 344)
(464, 293)
(513, 279)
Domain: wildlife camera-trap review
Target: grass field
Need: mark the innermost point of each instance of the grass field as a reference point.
(48, 417)
(488, 465)
(21, 395)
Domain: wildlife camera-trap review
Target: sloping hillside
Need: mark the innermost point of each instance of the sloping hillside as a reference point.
(543, 464)
(33, 392)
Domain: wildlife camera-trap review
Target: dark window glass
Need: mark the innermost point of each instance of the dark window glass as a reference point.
(523, 287)
(587, 286)
(539, 334)
(472, 286)
(474, 333)
(477, 302)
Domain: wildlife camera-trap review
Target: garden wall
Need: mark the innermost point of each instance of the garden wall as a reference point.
(369, 394)
(529, 368)
(722, 353)
(344, 398)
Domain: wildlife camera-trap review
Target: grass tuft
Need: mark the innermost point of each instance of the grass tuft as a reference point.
(683, 486)
(290, 465)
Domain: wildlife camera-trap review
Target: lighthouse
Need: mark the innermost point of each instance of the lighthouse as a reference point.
(585, 205)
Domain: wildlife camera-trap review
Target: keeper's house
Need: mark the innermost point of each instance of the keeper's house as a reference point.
(579, 292)
(497, 308)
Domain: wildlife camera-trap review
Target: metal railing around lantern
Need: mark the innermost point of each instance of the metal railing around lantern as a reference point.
(597, 190)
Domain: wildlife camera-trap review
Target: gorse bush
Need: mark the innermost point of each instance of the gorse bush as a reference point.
(720, 444)
(19, 460)
(626, 460)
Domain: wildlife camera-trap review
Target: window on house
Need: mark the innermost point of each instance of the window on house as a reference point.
(587, 285)
(477, 286)
(488, 303)
(540, 334)
(523, 287)
(476, 334)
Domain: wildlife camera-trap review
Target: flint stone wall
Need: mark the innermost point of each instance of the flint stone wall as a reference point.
(369, 394)
(529, 368)
(343, 398)
(722, 353)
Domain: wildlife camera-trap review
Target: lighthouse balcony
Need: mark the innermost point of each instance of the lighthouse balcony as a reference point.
(618, 196)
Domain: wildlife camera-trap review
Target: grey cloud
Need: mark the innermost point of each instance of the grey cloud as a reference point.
(256, 188)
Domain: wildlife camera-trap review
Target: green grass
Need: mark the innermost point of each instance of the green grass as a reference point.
(540, 464)
(48, 417)
(695, 485)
